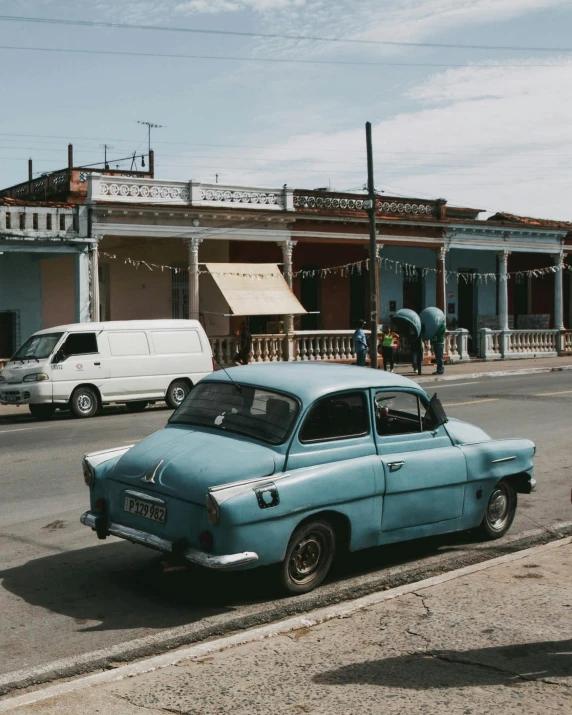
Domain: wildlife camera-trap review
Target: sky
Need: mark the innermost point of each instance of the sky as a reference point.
(486, 128)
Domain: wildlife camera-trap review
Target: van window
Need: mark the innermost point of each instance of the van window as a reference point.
(79, 344)
(176, 342)
(128, 343)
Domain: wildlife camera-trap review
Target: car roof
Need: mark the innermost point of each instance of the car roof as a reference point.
(122, 325)
(311, 380)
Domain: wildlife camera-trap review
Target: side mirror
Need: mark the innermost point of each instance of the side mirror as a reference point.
(436, 412)
(60, 356)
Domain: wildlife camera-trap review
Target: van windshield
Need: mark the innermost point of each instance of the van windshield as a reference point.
(38, 346)
(250, 411)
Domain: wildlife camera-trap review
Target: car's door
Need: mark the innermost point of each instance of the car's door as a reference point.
(425, 474)
(78, 360)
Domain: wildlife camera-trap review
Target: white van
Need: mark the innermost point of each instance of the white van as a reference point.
(84, 366)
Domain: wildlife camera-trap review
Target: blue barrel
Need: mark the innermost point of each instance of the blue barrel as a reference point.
(431, 320)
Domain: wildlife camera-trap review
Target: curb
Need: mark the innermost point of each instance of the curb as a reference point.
(322, 615)
(496, 373)
(212, 627)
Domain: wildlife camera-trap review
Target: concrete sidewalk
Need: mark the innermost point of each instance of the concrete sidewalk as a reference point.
(498, 639)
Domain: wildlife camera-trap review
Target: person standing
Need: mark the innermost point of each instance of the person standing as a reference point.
(438, 342)
(360, 344)
(416, 345)
(242, 357)
(388, 345)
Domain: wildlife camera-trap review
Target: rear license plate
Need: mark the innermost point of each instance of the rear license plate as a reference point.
(155, 512)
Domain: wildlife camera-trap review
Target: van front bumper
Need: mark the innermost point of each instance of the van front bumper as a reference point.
(212, 561)
(25, 393)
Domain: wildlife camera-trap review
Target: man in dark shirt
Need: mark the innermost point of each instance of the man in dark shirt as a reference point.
(242, 357)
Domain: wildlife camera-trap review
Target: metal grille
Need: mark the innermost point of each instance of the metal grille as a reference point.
(180, 291)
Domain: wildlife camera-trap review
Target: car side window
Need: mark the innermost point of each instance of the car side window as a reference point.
(79, 344)
(398, 413)
(336, 417)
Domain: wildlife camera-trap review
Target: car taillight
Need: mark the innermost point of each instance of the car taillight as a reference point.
(213, 511)
(100, 505)
(88, 473)
(206, 540)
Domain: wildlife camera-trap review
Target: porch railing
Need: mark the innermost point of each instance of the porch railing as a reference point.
(320, 346)
(498, 344)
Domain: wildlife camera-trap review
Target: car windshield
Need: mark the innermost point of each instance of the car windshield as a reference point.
(38, 346)
(251, 411)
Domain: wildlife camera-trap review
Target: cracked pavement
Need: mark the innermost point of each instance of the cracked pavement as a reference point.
(499, 640)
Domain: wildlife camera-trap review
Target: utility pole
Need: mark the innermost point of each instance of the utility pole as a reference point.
(105, 147)
(150, 126)
(370, 208)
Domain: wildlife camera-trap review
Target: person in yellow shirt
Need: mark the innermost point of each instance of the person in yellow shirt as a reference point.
(389, 343)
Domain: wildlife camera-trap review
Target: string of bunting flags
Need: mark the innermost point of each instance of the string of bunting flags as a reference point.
(389, 264)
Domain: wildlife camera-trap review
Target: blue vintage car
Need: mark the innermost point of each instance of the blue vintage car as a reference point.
(289, 463)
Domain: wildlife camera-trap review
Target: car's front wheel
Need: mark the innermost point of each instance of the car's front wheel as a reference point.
(308, 557)
(500, 511)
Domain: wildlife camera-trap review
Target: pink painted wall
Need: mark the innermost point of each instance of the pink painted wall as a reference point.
(58, 291)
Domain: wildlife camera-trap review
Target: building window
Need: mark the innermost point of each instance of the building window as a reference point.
(75, 222)
(62, 222)
(180, 291)
(8, 219)
(35, 222)
(48, 222)
(22, 221)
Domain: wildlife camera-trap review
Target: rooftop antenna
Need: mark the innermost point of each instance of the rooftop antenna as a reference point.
(150, 126)
(105, 147)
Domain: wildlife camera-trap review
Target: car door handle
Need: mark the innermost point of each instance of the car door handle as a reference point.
(394, 465)
(97, 363)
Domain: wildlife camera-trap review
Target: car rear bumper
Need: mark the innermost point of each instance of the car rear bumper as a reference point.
(202, 558)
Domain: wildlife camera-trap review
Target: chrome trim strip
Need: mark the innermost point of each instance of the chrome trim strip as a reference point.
(211, 561)
(244, 482)
(503, 459)
(105, 451)
(146, 497)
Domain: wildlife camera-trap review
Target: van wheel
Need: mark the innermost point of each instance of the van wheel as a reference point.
(176, 393)
(84, 402)
(136, 406)
(308, 557)
(42, 412)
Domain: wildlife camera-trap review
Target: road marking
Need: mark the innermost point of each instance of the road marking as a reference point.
(321, 615)
(471, 402)
(460, 384)
(548, 394)
(20, 429)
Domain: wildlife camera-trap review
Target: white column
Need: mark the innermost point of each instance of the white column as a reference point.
(287, 248)
(559, 292)
(193, 245)
(441, 291)
(503, 290)
(94, 276)
(81, 280)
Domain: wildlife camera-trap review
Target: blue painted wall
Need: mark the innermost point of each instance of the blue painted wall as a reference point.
(21, 289)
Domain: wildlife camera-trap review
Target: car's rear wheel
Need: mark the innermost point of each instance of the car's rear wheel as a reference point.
(138, 406)
(42, 412)
(84, 402)
(176, 393)
(308, 557)
(500, 511)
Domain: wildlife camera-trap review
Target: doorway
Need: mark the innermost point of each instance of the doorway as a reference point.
(466, 313)
(310, 298)
(9, 329)
(412, 290)
(521, 298)
(358, 294)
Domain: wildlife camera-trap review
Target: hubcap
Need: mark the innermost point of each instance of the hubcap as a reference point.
(306, 557)
(498, 508)
(84, 402)
(179, 394)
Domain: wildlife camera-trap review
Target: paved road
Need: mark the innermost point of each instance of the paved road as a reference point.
(63, 593)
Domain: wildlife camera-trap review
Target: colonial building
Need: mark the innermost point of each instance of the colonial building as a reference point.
(496, 280)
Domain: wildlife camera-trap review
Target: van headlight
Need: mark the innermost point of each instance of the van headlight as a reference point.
(36, 377)
(213, 510)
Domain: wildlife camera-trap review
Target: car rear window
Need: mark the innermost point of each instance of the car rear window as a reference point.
(242, 409)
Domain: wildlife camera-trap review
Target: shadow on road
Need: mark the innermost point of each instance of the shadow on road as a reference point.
(123, 586)
(501, 665)
(23, 416)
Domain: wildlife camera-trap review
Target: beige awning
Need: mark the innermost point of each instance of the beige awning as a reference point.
(255, 289)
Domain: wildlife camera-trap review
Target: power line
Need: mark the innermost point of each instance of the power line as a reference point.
(276, 60)
(276, 36)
